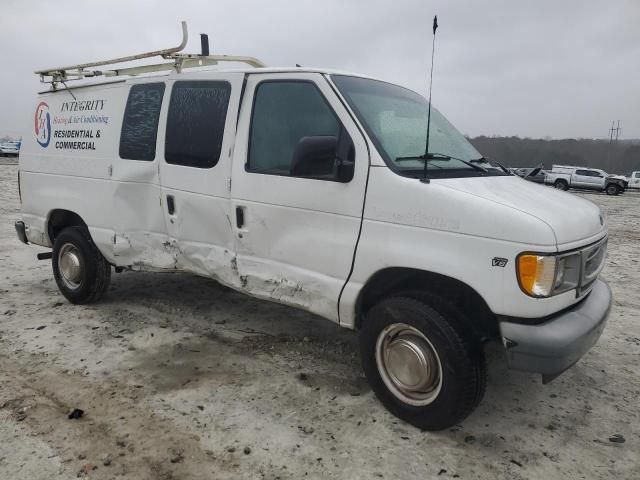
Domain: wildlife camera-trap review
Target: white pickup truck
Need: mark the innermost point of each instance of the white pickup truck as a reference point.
(564, 177)
(309, 187)
(634, 179)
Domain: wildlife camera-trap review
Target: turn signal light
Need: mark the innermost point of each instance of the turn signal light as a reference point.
(537, 274)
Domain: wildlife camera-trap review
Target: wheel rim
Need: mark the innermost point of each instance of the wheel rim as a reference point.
(408, 364)
(559, 186)
(70, 266)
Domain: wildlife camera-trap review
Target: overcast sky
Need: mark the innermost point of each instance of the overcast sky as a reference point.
(540, 68)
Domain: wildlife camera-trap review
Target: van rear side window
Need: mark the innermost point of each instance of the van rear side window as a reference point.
(195, 125)
(140, 123)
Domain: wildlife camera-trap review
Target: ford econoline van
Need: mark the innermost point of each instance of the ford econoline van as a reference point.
(312, 188)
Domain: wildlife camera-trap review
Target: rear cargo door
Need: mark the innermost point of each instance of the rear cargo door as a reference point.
(195, 172)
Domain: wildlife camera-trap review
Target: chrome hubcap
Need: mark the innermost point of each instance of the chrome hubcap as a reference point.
(408, 364)
(70, 265)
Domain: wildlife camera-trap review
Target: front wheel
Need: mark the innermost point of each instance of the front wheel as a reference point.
(80, 270)
(421, 362)
(612, 189)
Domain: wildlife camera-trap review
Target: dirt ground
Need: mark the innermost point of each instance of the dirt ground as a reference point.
(180, 378)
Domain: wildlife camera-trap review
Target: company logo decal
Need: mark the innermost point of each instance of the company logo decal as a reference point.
(43, 124)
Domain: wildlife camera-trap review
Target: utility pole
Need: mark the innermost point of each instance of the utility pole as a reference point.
(613, 130)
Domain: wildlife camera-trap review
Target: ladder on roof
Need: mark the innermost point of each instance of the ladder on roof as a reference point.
(179, 61)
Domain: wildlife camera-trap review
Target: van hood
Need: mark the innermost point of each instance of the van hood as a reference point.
(571, 218)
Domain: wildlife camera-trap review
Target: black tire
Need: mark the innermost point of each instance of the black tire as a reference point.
(612, 189)
(561, 185)
(95, 271)
(459, 351)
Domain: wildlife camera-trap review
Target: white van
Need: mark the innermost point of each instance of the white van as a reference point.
(308, 187)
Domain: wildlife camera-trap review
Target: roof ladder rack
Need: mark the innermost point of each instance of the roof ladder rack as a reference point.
(179, 61)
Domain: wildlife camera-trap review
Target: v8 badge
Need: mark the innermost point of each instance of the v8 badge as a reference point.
(499, 262)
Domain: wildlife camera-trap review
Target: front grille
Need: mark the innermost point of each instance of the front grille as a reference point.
(592, 263)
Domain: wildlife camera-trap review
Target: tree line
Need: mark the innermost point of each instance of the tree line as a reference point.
(620, 157)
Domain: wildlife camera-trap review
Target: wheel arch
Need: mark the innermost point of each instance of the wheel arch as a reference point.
(59, 219)
(393, 280)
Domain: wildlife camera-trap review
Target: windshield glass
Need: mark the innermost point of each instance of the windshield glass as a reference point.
(396, 120)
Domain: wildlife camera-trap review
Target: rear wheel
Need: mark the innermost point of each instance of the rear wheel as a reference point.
(561, 185)
(613, 189)
(80, 270)
(421, 361)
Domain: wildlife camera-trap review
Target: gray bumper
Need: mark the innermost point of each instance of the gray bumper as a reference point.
(551, 347)
(21, 231)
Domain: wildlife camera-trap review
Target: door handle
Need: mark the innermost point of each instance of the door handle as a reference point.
(240, 217)
(171, 205)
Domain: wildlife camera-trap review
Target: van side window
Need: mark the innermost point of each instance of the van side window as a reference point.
(294, 132)
(140, 122)
(195, 125)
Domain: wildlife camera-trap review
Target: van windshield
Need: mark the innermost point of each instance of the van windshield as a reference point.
(396, 121)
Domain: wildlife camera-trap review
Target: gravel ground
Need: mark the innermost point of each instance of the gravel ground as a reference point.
(180, 378)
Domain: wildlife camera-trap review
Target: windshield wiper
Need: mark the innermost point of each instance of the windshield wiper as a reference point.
(485, 160)
(440, 156)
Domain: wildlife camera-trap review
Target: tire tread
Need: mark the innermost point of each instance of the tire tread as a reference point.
(464, 345)
(98, 284)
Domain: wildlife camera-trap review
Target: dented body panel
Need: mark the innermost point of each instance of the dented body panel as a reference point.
(200, 225)
(298, 232)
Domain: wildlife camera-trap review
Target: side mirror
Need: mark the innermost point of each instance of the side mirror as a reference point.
(315, 157)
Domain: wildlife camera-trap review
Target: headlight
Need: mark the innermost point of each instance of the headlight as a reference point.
(547, 275)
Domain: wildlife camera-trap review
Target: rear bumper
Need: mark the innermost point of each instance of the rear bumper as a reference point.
(22, 232)
(555, 345)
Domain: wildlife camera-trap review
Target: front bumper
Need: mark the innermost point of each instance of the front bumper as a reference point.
(22, 232)
(555, 345)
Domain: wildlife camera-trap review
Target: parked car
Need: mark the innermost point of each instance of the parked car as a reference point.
(535, 175)
(312, 188)
(634, 179)
(564, 177)
(10, 148)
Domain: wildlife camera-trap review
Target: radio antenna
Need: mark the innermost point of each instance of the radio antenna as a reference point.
(426, 148)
